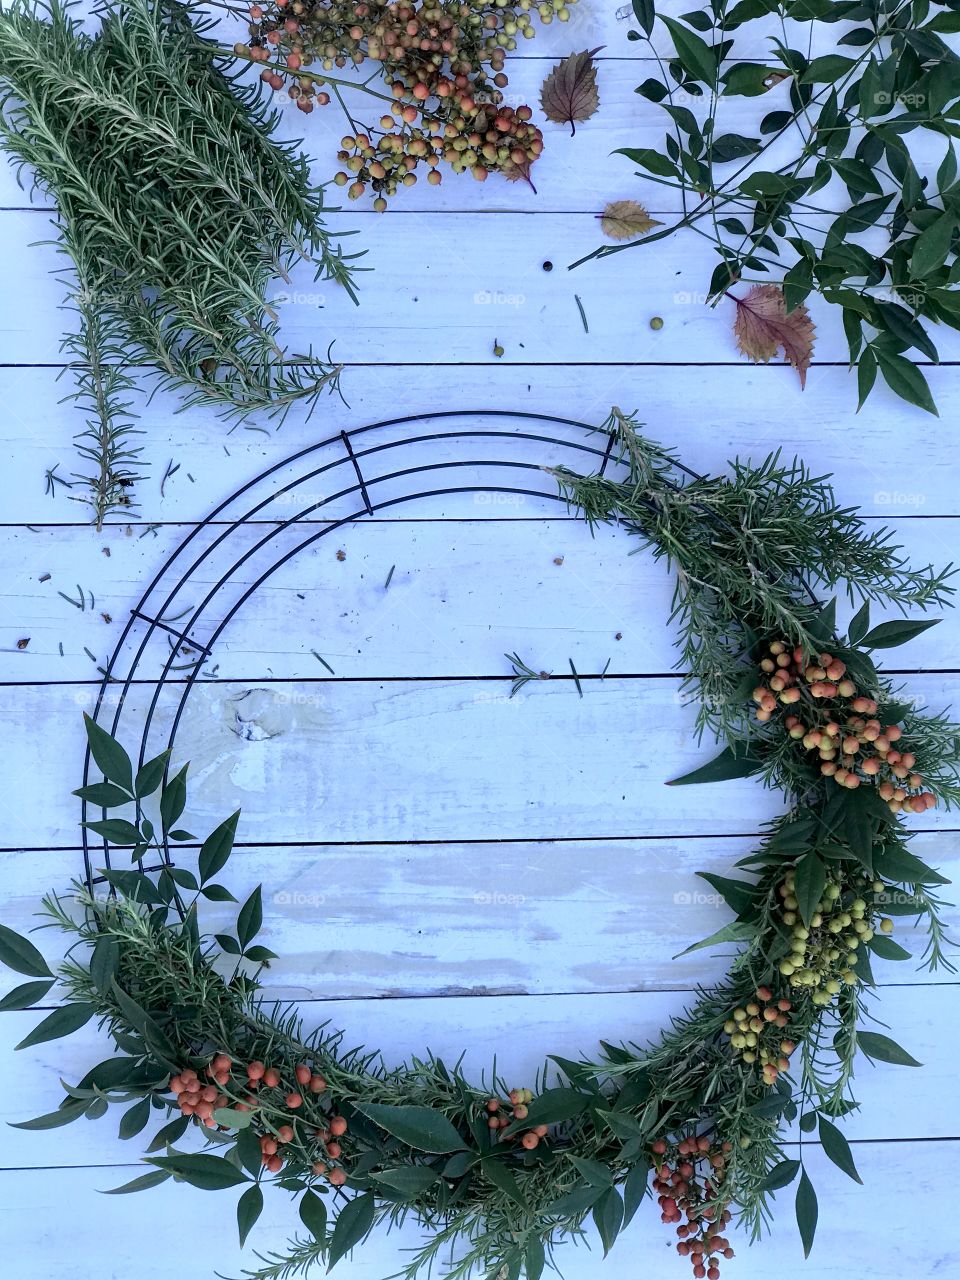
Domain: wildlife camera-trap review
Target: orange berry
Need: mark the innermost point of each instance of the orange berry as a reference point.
(294, 1100)
(334, 1150)
(337, 1177)
(317, 1084)
(530, 1140)
(271, 1077)
(285, 1133)
(302, 1073)
(274, 1163)
(338, 1126)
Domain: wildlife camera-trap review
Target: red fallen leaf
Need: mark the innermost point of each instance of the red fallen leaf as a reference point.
(570, 92)
(764, 326)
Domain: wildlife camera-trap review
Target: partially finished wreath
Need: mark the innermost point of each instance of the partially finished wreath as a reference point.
(503, 1174)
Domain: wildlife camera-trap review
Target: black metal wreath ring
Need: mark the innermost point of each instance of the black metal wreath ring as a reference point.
(160, 628)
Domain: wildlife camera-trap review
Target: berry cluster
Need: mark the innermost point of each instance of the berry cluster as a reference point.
(756, 1033)
(821, 956)
(261, 1088)
(837, 723)
(442, 61)
(688, 1180)
(503, 1114)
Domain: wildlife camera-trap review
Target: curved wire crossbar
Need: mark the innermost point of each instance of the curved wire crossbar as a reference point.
(255, 533)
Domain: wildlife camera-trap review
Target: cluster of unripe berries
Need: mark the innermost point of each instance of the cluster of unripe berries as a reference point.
(442, 62)
(756, 1033)
(838, 723)
(501, 1115)
(259, 1087)
(822, 955)
(688, 1179)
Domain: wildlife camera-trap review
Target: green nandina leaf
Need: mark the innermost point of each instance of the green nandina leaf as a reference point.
(313, 1214)
(888, 635)
(134, 1120)
(217, 847)
(103, 795)
(597, 1174)
(838, 1149)
(116, 830)
(887, 949)
(883, 1049)
(904, 378)
(859, 624)
(411, 1180)
(645, 14)
(134, 885)
(249, 1208)
(150, 775)
(233, 1119)
(650, 160)
(736, 931)
(353, 1222)
(608, 1218)
(634, 1189)
(534, 1258)
(695, 54)
(903, 867)
(104, 961)
(576, 1200)
(65, 1114)
(250, 918)
(173, 798)
(728, 764)
(496, 1172)
(62, 1022)
(21, 955)
(806, 1212)
(781, 1175)
(932, 245)
(174, 1131)
(110, 758)
(143, 1183)
(208, 1173)
(26, 995)
(826, 70)
(422, 1128)
(553, 1106)
(739, 895)
(810, 876)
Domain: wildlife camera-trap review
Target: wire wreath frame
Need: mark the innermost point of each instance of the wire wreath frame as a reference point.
(164, 632)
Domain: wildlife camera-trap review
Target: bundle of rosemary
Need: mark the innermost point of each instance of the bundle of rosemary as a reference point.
(176, 209)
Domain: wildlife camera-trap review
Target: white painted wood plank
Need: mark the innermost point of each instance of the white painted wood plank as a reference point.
(385, 761)
(476, 919)
(889, 460)
(442, 311)
(55, 1222)
(520, 1032)
(462, 594)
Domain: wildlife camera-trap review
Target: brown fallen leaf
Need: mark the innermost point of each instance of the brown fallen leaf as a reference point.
(626, 219)
(763, 326)
(570, 92)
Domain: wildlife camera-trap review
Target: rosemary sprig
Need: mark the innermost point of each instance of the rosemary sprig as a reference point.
(176, 209)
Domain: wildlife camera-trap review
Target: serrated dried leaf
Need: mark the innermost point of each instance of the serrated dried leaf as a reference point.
(763, 327)
(626, 219)
(570, 92)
